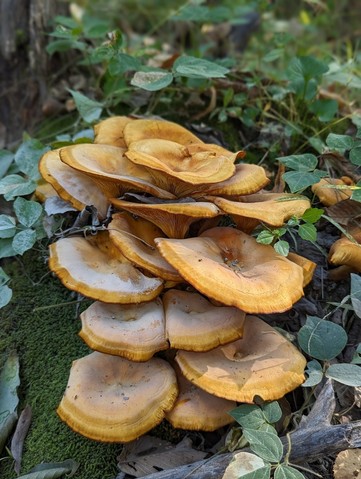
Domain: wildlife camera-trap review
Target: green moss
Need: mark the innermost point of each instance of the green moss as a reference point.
(47, 343)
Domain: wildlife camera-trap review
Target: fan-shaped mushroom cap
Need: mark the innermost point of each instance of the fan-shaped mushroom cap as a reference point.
(271, 208)
(149, 129)
(111, 399)
(332, 190)
(195, 324)
(197, 410)
(306, 264)
(133, 331)
(228, 265)
(135, 239)
(174, 219)
(111, 170)
(83, 266)
(72, 185)
(346, 252)
(44, 190)
(263, 363)
(110, 131)
(246, 180)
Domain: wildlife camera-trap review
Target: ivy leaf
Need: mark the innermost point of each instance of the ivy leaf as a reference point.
(349, 374)
(152, 80)
(308, 232)
(314, 373)
(306, 162)
(27, 212)
(299, 180)
(283, 471)
(90, 110)
(266, 445)
(322, 339)
(339, 142)
(24, 241)
(7, 226)
(192, 67)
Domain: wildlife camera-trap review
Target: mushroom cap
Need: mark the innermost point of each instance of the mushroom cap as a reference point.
(231, 267)
(135, 239)
(111, 399)
(332, 190)
(263, 363)
(148, 129)
(271, 208)
(306, 264)
(110, 131)
(346, 252)
(133, 331)
(84, 266)
(195, 324)
(174, 219)
(110, 169)
(72, 185)
(197, 410)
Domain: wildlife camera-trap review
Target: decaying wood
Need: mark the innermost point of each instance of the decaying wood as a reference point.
(314, 438)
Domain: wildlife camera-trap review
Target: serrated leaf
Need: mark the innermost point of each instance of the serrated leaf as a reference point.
(312, 215)
(152, 80)
(15, 185)
(314, 373)
(7, 226)
(349, 374)
(339, 142)
(272, 412)
(283, 471)
(192, 67)
(28, 212)
(6, 294)
(246, 466)
(355, 156)
(28, 155)
(266, 445)
(90, 110)
(299, 180)
(308, 232)
(9, 383)
(282, 247)
(306, 162)
(24, 241)
(52, 470)
(265, 237)
(322, 339)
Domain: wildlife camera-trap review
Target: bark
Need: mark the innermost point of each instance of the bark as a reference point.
(314, 438)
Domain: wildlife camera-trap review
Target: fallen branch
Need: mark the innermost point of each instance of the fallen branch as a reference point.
(314, 438)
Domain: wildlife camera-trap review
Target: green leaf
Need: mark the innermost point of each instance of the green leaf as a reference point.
(24, 241)
(90, 110)
(246, 466)
(299, 180)
(308, 232)
(357, 355)
(28, 155)
(283, 471)
(64, 45)
(7, 226)
(355, 293)
(152, 80)
(322, 339)
(314, 373)
(192, 67)
(9, 383)
(266, 445)
(355, 156)
(52, 470)
(282, 247)
(122, 63)
(305, 68)
(306, 162)
(27, 212)
(5, 295)
(272, 412)
(4, 278)
(15, 185)
(339, 142)
(349, 374)
(265, 237)
(6, 248)
(312, 215)
(6, 158)
(248, 416)
(274, 54)
(324, 109)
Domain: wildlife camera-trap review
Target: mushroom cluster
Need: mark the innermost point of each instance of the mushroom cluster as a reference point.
(166, 277)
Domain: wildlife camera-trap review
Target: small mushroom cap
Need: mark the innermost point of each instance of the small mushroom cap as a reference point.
(306, 264)
(111, 399)
(346, 252)
(135, 239)
(133, 331)
(110, 169)
(110, 131)
(149, 129)
(271, 208)
(332, 190)
(72, 185)
(83, 266)
(197, 410)
(195, 324)
(174, 219)
(263, 363)
(231, 267)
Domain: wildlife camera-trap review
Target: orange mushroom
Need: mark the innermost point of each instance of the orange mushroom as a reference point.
(332, 190)
(110, 131)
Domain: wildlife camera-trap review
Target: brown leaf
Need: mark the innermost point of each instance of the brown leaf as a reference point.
(19, 436)
(348, 464)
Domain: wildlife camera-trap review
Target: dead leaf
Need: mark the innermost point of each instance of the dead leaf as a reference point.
(345, 212)
(19, 436)
(244, 463)
(149, 455)
(348, 464)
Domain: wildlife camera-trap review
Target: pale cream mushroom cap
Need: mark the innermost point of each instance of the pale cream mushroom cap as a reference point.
(263, 363)
(111, 399)
(111, 131)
